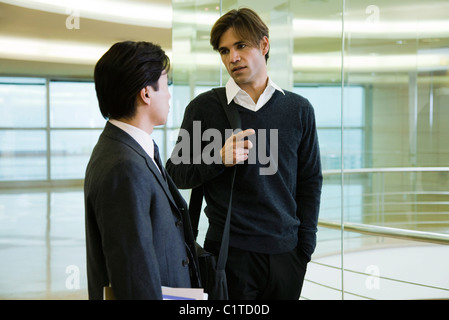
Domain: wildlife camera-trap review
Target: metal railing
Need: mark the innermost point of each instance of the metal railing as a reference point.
(405, 234)
(391, 200)
(430, 237)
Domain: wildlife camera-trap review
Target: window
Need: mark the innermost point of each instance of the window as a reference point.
(74, 105)
(326, 101)
(23, 155)
(22, 103)
(22, 129)
(75, 125)
(45, 139)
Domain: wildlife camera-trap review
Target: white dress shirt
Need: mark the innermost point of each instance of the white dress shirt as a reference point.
(142, 137)
(240, 97)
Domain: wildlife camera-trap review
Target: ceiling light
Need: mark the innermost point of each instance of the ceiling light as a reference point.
(127, 12)
(49, 50)
(45, 50)
(306, 28)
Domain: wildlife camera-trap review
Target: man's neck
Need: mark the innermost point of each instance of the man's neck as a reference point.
(138, 122)
(254, 89)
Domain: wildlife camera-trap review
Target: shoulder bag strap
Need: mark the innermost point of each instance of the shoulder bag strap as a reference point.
(196, 197)
(235, 121)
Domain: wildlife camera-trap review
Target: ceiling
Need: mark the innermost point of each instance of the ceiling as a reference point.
(72, 52)
(29, 24)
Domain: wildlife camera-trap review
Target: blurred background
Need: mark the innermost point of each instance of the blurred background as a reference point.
(376, 72)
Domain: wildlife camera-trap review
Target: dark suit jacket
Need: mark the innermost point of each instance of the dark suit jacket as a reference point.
(138, 232)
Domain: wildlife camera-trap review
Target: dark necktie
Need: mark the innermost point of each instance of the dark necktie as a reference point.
(157, 159)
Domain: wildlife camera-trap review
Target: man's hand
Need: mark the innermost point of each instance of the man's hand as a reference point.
(236, 149)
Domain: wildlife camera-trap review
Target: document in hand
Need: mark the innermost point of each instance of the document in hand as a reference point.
(169, 293)
(183, 294)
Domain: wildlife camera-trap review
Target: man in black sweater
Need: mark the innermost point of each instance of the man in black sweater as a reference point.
(278, 182)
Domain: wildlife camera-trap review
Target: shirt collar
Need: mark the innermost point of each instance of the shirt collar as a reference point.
(232, 88)
(275, 86)
(142, 137)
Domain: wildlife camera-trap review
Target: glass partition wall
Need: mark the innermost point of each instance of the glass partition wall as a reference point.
(377, 75)
(398, 51)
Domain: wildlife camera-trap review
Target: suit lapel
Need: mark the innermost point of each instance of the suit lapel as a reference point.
(152, 166)
(120, 135)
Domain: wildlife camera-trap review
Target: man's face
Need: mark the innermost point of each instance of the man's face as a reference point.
(245, 63)
(160, 101)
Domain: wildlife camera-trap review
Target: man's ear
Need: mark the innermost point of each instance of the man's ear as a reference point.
(145, 95)
(265, 45)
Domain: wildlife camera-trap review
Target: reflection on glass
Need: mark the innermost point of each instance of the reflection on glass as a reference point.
(406, 91)
(195, 64)
(402, 61)
(23, 253)
(67, 244)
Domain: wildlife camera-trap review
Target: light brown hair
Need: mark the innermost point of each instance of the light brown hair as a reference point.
(246, 24)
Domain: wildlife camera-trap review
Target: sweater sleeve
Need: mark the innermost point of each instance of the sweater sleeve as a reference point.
(309, 183)
(185, 165)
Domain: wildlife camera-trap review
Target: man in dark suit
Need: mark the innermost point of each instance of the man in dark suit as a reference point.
(138, 234)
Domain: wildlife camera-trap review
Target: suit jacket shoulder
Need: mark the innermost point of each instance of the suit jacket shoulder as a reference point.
(135, 235)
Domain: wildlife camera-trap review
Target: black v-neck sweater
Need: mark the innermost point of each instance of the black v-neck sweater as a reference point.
(275, 205)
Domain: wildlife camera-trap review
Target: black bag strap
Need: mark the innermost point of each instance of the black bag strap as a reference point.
(231, 112)
(235, 122)
(195, 204)
(196, 196)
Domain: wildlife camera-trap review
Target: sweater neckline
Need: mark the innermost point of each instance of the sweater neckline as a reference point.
(264, 107)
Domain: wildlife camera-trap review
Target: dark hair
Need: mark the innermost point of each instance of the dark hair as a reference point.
(246, 24)
(125, 69)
